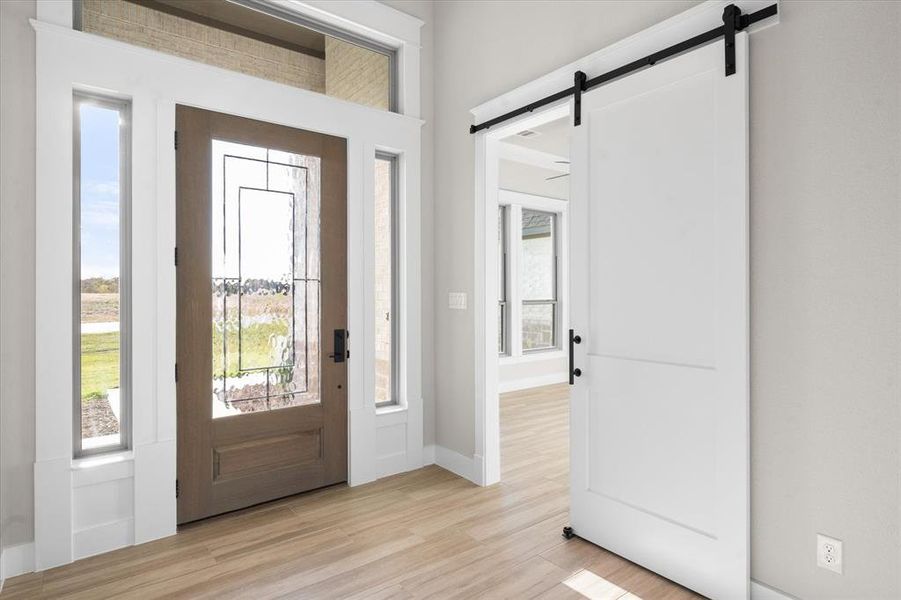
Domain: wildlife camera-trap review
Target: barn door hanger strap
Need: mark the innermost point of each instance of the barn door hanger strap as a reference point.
(733, 21)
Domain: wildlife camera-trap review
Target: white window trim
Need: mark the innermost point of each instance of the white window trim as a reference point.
(141, 482)
(515, 202)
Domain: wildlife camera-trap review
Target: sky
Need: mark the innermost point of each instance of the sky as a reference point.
(99, 192)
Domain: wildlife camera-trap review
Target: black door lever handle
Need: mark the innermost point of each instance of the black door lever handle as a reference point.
(340, 354)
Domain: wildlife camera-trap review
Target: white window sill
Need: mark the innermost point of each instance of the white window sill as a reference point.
(93, 470)
(532, 357)
(99, 460)
(390, 409)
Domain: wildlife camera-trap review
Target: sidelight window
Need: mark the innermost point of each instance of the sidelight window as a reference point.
(101, 271)
(386, 321)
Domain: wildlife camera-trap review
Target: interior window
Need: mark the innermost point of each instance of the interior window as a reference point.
(538, 280)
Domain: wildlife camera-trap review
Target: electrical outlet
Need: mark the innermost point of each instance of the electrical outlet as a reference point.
(829, 553)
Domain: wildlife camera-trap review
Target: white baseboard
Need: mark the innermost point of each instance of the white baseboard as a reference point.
(428, 455)
(16, 560)
(391, 464)
(760, 591)
(456, 463)
(103, 538)
(525, 383)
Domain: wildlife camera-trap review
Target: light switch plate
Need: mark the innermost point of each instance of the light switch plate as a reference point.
(829, 553)
(456, 300)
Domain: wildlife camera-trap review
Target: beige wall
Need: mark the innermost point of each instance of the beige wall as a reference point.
(825, 127)
(17, 99)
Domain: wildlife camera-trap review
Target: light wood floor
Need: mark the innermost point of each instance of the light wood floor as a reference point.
(422, 534)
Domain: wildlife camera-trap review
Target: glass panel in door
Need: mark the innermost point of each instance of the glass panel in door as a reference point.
(265, 279)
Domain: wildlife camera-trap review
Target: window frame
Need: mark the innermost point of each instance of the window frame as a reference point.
(274, 10)
(394, 204)
(503, 300)
(266, 7)
(553, 301)
(514, 203)
(123, 107)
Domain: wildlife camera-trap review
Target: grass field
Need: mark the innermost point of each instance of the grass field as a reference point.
(256, 347)
(99, 308)
(99, 364)
(100, 356)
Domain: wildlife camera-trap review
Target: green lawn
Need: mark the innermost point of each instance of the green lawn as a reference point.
(99, 364)
(100, 356)
(256, 348)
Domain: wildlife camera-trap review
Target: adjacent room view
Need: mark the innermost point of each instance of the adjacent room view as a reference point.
(445, 299)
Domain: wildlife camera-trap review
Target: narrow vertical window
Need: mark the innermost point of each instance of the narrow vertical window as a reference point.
(539, 280)
(502, 280)
(101, 267)
(386, 321)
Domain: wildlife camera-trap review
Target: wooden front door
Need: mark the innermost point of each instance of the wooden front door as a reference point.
(262, 300)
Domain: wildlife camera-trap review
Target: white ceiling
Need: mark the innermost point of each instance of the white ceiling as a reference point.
(553, 138)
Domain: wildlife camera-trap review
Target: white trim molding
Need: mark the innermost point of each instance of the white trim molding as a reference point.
(464, 466)
(525, 383)
(89, 506)
(16, 560)
(761, 591)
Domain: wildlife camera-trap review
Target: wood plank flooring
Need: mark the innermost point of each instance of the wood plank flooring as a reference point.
(424, 534)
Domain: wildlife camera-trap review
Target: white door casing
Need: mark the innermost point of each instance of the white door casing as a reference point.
(659, 296)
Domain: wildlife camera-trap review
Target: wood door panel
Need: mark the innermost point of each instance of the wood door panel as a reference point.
(255, 446)
(242, 458)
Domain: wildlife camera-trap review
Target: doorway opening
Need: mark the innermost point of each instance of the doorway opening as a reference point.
(533, 311)
(526, 282)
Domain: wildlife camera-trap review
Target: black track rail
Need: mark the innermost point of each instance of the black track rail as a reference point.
(733, 21)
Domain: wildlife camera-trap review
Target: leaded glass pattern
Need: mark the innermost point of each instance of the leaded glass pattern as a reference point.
(265, 279)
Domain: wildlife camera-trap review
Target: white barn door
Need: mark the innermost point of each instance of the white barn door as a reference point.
(659, 255)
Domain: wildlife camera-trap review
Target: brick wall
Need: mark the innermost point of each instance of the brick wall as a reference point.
(356, 74)
(161, 31)
(383, 314)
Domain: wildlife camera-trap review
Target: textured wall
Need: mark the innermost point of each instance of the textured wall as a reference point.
(17, 100)
(157, 30)
(356, 74)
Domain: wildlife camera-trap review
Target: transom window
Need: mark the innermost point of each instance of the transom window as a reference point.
(254, 37)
